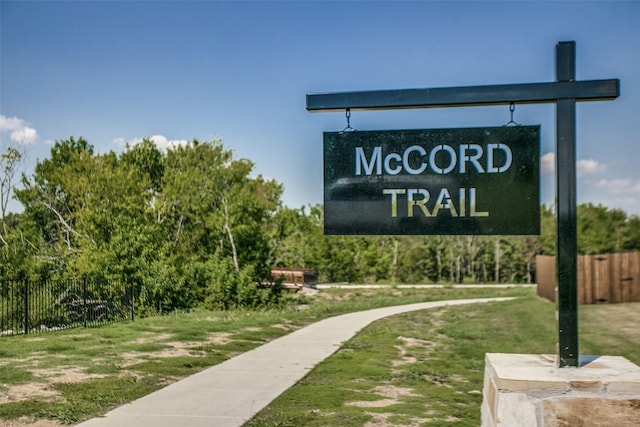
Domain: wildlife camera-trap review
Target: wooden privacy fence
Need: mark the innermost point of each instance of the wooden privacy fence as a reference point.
(605, 278)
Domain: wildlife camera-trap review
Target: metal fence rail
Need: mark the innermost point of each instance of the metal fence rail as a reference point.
(39, 306)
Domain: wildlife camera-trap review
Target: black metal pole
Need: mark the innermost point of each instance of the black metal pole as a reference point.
(25, 294)
(567, 241)
(84, 300)
(464, 96)
(133, 298)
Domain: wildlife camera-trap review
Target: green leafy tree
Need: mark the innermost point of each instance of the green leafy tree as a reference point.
(14, 241)
(600, 229)
(296, 237)
(548, 228)
(418, 259)
(166, 221)
(54, 199)
(91, 211)
(630, 240)
(211, 204)
(290, 233)
(9, 161)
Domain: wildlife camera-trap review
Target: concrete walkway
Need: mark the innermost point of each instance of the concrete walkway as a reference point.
(230, 393)
(471, 286)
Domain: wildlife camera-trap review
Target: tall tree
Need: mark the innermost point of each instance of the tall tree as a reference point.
(213, 205)
(9, 161)
(600, 229)
(54, 197)
(631, 236)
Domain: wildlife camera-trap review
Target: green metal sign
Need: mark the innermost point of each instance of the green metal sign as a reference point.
(466, 181)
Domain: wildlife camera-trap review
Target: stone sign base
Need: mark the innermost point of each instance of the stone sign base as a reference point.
(529, 390)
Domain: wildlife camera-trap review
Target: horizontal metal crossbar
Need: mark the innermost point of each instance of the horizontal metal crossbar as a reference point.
(528, 93)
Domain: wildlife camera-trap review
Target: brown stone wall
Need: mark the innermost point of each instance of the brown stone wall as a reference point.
(528, 390)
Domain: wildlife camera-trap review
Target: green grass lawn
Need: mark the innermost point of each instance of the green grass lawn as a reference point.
(69, 376)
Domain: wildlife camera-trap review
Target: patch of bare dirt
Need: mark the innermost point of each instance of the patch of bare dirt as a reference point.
(383, 403)
(80, 335)
(68, 374)
(415, 342)
(285, 327)
(34, 339)
(43, 389)
(130, 358)
(405, 359)
(218, 338)
(30, 422)
(382, 420)
(436, 318)
(174, 349)
(16, 393)
(392, 394)
(379, 420)
(458, 378)
(153, 338)
(27, 361)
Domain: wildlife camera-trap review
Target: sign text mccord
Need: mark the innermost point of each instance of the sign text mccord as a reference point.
(433, 181)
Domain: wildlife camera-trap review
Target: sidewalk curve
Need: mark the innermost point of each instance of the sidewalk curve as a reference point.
(230, 393)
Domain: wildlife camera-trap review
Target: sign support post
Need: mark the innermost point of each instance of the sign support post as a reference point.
(567, 235)
(564, 92)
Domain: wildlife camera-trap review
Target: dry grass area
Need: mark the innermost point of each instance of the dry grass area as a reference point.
(610, 329)
(46, 370)
(29, 422)
(69, 373)
(622, 317)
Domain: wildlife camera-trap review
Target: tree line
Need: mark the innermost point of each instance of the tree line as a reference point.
(193, 227)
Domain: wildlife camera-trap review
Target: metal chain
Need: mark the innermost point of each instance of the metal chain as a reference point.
(348, 128)
(512, 108)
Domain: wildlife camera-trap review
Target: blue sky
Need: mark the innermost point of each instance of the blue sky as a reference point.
(114, 72)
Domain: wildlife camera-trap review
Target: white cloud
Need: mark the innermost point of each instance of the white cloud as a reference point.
(161, 141)
(584, 167)
(120, 142)
(19, 131)
(589, 167)
(621, 193)
(165, 144)
(548, 163)
(620, 186)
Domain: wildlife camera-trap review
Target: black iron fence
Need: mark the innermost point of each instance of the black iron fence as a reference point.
(38, 306)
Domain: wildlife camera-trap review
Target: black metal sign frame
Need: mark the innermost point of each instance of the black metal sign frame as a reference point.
(461, 181)
(564, 92)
